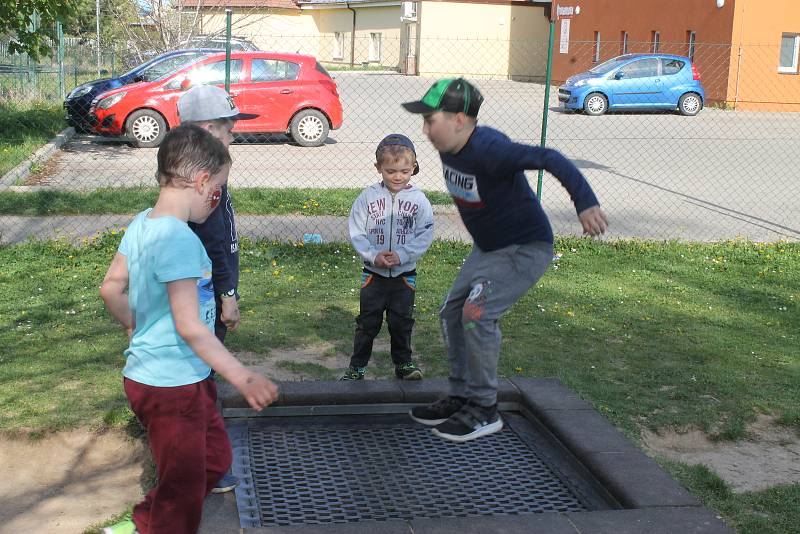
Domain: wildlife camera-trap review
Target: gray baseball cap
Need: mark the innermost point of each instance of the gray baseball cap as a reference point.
(208, 103)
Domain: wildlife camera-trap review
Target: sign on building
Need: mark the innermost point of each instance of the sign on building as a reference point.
(563, 45)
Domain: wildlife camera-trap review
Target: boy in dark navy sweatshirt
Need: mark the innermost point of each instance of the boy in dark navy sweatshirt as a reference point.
(513, 245)
(211, 108)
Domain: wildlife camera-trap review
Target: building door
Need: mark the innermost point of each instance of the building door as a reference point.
(408, 48)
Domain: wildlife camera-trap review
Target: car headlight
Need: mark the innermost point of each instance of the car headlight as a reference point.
(79, 91)
(111, 100)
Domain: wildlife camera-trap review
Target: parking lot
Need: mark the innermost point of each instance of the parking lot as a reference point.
(716, 176)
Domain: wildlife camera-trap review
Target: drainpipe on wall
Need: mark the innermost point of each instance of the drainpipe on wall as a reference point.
(417, 38)
(352, 37)
(739, 59)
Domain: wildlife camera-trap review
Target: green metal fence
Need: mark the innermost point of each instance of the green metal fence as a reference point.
(72, 63)
(730, 171)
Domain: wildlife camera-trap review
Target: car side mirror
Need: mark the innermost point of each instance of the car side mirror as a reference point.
(186, 83)
(619, 75)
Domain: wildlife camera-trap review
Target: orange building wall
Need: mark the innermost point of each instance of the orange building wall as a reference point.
(755, 83)
(672, 18)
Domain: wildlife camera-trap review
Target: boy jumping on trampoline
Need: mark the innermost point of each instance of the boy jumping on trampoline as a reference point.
(513, 245)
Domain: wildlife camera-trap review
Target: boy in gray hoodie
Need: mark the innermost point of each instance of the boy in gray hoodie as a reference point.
(391, 226)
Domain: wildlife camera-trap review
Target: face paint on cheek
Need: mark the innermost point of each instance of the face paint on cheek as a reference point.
(216, 196)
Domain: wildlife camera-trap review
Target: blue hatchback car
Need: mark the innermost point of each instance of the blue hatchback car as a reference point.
(79, 100)
(636, 82)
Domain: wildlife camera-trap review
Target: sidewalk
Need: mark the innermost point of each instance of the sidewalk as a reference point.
(16, 229)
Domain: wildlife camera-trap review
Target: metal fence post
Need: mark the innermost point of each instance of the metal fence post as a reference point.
(228, 17)
(32, 77)
(546, 109)
(61, 82)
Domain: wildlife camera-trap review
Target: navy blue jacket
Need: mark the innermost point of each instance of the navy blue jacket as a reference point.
(218, 234)
(487, 182)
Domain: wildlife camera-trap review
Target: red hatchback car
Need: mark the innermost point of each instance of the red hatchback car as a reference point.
(290, 93)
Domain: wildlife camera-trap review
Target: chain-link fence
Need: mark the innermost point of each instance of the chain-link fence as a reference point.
(74, 61)
(728, 171)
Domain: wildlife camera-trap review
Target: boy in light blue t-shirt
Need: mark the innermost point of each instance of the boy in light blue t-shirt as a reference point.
(159, 288)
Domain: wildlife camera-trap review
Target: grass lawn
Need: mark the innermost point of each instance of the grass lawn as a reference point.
(24, 128)
(254, 201)
(652, 334)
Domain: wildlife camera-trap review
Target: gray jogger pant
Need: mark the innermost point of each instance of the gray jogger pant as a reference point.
(487, 285)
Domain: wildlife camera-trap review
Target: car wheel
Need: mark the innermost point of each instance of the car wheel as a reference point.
(309, 128)
(595, 104)
(690, 104)
(146, 128)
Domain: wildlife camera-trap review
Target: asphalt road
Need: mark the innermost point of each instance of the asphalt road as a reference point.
(720, 175)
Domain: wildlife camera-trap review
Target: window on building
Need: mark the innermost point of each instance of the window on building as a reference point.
(656, 40)
(790, 45)
(596, 52)
(691, 39)
(410, 10)
(338, 45)
(623, 49)
(374, 46)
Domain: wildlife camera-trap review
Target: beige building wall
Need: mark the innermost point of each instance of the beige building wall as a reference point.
(755, 83)
(275, 30)
(382, 21)
(313, 31)
(489, 41)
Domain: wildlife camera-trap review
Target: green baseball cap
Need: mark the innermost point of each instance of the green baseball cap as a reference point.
(453, 94)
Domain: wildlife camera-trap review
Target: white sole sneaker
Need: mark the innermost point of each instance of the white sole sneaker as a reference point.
(491, 428)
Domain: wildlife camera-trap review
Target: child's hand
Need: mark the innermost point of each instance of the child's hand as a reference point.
(229, 314)
(392, 259)
(593, 220)
(387, 259)
(379, 260)
(258, 390)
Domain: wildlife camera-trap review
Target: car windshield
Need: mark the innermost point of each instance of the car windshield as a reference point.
(141, 67)
(160, 67)
(608, 66)
(163, 69)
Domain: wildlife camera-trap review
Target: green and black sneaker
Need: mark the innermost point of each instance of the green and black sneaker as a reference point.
(408, 371)
(354, 373)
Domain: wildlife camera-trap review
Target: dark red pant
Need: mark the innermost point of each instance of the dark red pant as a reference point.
(191, 451)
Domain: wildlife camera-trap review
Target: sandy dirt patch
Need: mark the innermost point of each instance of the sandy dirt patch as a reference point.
(286, 364)
(769, 458)
(68, 481)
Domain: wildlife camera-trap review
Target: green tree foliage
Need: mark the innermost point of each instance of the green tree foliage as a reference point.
(30, 24)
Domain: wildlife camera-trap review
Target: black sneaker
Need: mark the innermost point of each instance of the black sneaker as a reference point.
(438, 412)
(472, 421)
(354, 373)
(407, 371)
